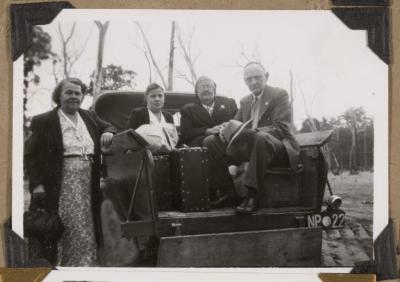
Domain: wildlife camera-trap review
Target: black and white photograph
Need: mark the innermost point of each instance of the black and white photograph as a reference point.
(201, 139)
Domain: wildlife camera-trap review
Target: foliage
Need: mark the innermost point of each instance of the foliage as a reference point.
(340, 144)
(39, 50)
(114, 78)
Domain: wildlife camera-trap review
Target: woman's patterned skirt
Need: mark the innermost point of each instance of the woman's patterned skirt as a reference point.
(77, 246)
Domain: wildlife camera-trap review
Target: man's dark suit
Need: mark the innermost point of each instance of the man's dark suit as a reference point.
(195, 119)
(272, 141)
(274, 118)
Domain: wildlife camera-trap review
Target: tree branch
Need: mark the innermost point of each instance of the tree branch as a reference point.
(78, 54)
(187, 57)
(71, 33)
(185, 78)
(151, 54)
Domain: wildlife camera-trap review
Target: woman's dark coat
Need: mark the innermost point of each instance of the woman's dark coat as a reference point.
(140, 116)
(44, 163)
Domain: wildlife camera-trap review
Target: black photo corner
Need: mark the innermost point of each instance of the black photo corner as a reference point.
(369, 15)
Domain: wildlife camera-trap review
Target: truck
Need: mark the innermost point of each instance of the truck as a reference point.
(285, 232)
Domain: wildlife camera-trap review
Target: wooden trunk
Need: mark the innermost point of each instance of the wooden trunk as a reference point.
(191, 178)
(166, 193)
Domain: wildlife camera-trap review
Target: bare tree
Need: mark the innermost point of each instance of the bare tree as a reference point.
(190, 59)
(245, 57)
(171, 58)
(352, 121)
(99, 66)
(69, 54)
(56, 60)
(148, 60)
(151, 56)
(65, 41)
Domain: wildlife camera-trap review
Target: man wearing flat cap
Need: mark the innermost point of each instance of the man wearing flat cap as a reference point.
(204, 118)
(261, 135)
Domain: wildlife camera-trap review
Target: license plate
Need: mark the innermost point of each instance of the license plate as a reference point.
(328, 219)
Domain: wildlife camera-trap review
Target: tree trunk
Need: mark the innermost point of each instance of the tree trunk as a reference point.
(64, 42)
(291, 99)
(99, 66)
(353, 150)
(153, 60)
(365, 159)
(171, 58)
(187, 55)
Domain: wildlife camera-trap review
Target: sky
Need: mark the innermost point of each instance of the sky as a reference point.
(332, 67)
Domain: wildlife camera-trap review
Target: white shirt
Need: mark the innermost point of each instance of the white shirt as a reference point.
(209, 109)
(76, 137)
(154, 120)
(159, 132)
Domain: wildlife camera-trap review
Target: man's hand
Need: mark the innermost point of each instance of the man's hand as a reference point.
(38, 189)
(38, 197)
(233, 170)
(220, 135)
(236, 171)
(106, 138)
(38, 194)
(212, 130)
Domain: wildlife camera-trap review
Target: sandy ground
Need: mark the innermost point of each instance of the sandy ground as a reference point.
(339, 247)
(353, 243)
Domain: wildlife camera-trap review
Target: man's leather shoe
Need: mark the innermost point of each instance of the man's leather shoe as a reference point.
(221, 201)
(242, 207)
(248, 206)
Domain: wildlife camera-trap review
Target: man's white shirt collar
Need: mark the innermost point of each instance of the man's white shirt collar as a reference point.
(209, 108)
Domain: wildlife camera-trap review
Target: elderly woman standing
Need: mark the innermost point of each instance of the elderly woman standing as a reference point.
(63, 164)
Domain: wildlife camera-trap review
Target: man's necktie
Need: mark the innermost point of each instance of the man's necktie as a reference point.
(255, 112)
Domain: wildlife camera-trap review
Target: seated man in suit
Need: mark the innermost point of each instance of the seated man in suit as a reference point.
(267, 111)
(204, 118)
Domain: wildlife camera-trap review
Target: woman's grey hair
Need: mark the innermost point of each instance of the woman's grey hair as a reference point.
(57, 91)
(151, 86)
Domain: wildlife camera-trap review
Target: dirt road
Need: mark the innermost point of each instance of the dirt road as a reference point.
(354, 242)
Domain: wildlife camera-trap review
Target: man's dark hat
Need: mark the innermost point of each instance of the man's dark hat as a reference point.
(235, 129)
